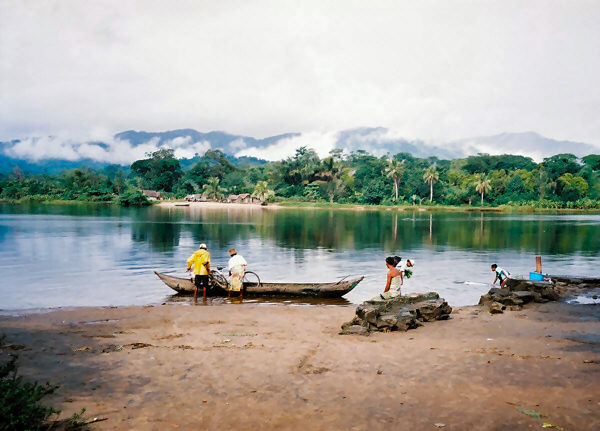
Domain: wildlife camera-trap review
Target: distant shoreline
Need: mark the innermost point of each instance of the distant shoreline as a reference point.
(504, 209)
(212, 205)
(359, 207)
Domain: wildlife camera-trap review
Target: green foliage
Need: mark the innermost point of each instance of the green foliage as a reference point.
(160, 171)
(431, 176)
(133, 199)
(561, 164)
(262, 191)
(394, 170)
(374, 192)
(593, 161)
(235, 182)
(312, 192)
(20, 406)
(562, 180)
(482, 185)
(484, 163)
(571, 188)
(212, 189)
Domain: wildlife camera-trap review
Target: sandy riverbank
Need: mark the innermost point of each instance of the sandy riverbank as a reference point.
(309, 206)
(359, 207)
(213, 205)
(256, 367)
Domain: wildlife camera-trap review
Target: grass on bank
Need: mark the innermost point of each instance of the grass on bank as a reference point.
(518, 209)
(137, 200)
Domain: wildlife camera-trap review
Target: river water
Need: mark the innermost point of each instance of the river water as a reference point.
(87, 255)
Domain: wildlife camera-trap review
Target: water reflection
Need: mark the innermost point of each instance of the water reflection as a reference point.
(335, 230)
(188, 300)
(104, 255)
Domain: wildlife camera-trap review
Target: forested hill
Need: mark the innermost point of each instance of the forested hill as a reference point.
(56, 166)
(53, 154)
(559, 181)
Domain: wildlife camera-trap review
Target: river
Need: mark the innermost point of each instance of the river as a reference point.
(88, 255)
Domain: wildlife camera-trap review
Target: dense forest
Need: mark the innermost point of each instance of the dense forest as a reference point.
(560, 181)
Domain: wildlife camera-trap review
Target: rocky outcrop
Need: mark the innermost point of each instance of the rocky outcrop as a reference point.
(583, 282)
(397, 314)
(518, 293)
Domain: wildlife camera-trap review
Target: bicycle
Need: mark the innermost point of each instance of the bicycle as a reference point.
(219, 278)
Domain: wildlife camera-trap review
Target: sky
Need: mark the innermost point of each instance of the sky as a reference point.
(432, 70)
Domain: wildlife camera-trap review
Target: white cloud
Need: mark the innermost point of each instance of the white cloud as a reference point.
(428, 69)
(321, 142)
(112, 150)
(197, 148)
(43, 148)
(238, 144)
(180, 141)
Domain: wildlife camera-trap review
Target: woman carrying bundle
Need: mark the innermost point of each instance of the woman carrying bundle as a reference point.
(394, 279)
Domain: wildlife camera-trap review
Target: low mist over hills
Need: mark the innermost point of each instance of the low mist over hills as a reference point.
(53, 154)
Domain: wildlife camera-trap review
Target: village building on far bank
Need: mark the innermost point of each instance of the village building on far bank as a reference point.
(243, 198)
(196, 198)
(152, 195)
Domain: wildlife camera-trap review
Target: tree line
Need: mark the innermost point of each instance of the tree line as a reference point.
(559, 181)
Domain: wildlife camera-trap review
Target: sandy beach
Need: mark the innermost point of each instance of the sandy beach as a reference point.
(251, 366)
(214, 205)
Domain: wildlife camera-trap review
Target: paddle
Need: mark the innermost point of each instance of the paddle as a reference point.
(342, 279)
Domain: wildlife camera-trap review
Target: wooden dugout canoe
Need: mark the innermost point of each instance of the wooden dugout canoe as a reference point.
(317, 290)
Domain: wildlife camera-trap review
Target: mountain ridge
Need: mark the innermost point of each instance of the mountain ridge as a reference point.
(49, 154)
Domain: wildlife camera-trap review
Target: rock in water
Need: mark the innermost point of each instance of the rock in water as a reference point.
(519, 292)
(397, 314)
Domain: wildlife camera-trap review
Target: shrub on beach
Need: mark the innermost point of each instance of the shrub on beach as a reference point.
(20, 407)
(133, 199)
(20, 403)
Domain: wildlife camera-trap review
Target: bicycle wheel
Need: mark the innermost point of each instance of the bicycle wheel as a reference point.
(251, 277)
(219, 280)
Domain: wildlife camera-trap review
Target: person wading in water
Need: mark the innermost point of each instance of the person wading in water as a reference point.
(200, 261)
(501, 274)
(237, 268)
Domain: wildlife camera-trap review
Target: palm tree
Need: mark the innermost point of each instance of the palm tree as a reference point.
(394, 171)
(262, 191)
(211, 188)
(430, 176)
(482, 185)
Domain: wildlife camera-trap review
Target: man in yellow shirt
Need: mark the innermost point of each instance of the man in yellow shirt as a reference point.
(200, 261)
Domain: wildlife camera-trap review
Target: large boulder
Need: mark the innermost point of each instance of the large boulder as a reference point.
(524, 296)
(397, 314)
(368, 312)
(516, 293)
(435, 309)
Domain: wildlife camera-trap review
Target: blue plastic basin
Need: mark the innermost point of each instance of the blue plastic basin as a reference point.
(536, 276)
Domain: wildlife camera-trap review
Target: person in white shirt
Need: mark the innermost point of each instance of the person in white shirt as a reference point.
(501, 274)
(237, 268)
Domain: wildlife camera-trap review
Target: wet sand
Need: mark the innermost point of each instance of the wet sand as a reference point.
(252, 366)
